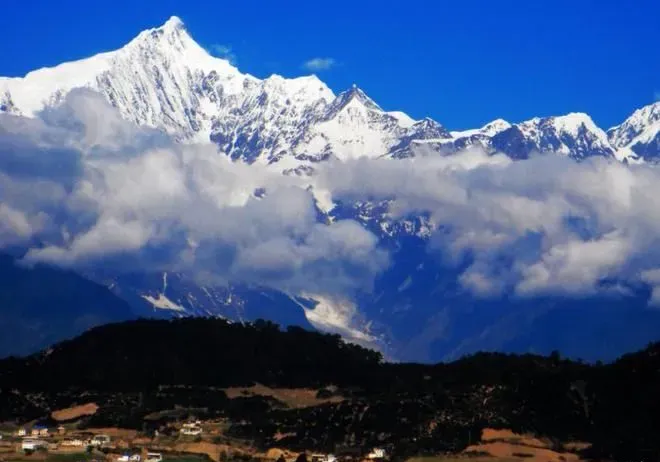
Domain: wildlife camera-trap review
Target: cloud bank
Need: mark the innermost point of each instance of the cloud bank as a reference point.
(91, 188)
(547, 225)
(80, 186)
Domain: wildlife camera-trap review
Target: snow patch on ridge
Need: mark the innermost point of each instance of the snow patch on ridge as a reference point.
(490, 129)
(163, 303)
(335, 315)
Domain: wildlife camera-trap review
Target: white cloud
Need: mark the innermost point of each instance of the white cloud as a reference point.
(223, 51)
(652, 278)
(94, 189)
(534, 227)
(574, 267)
(122, 195)
(319, 64)
(13, 224)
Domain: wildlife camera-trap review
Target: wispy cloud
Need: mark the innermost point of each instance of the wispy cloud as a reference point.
(319, 64)
(223, 51)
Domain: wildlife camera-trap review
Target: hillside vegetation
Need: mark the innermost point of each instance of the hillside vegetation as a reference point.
(145, 373)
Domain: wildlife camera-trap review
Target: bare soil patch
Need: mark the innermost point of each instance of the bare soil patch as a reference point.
(507, 445)
(515, 451)
(492, 435)
(275, 453)
(115, 433)
(292, 397)
(74, 412)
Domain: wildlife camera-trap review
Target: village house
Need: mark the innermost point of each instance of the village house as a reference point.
(30, 444)
(128, 457)
(323, 458)
(73, 443)
(39, 430)
(350, 453)
(154, 457)
(191, 429)
(99, 441)
(377, 453)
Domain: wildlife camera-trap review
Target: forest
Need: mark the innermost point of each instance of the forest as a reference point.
(139, 371)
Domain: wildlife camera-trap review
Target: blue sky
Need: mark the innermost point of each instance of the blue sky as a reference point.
(463, 63)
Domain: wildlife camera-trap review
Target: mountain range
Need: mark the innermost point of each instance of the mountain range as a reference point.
(164, 80)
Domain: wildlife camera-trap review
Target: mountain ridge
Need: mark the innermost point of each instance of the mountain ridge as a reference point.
(164, 79)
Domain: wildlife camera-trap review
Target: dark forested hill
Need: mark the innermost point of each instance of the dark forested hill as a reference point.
(193, 351)
(134, 369)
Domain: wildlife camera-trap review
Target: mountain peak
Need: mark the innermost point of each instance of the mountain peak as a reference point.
(172, 45)
(573, 122)
(639, 133)
(495, 126)
(427, 121)
(640, 121)
(174, 22)
(427, 124)
(355, 93)
(428, 129)
(490, 129)
(171, 30)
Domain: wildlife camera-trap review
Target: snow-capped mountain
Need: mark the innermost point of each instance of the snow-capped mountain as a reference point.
(573, 135)
(639, 135)
(351, 126)
(164, 79)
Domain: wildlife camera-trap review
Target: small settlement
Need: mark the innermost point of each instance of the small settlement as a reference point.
(192, 438)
